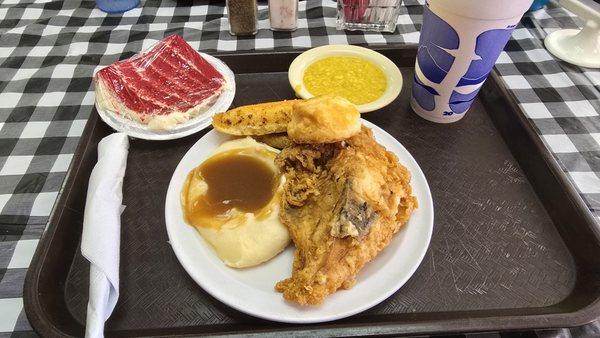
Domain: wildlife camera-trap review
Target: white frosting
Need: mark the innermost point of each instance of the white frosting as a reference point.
(107, 101)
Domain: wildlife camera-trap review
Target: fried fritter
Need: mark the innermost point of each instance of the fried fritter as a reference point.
(342, 204)
(255, 119)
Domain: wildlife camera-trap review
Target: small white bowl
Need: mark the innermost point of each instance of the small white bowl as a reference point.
(391, 71)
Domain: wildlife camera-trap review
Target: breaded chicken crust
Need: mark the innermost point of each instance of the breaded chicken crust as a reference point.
(342, 203)
(277, 140)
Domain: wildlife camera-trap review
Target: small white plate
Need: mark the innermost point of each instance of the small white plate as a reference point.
(252, 291)
(391, 71)
(194, 125)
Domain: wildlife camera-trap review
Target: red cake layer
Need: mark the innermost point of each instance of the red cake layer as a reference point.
(170, 77)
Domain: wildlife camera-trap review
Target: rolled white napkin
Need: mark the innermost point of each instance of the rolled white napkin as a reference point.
(101, 236)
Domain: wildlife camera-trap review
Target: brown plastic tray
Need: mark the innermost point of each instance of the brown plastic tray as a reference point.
(513, 247)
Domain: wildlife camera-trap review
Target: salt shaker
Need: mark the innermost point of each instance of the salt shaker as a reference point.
(283, 15)
(243, 17)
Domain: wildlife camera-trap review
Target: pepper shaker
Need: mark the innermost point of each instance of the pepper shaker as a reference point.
(283, 15)
(243, 17)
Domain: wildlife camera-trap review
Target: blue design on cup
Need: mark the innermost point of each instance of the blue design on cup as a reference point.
(460, 103)
(460, 107)
(488, 47)
(434, 60)
(438, 46)
(424, 94)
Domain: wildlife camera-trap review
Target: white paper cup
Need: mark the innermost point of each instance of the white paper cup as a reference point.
(459, 44)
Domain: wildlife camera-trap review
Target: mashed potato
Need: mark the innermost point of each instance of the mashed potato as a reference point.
(241, 238)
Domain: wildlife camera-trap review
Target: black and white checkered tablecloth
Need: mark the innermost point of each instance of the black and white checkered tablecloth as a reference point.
(49, 50)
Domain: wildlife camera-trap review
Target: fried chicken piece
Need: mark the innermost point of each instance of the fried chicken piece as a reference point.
(277, 140)
(255, 119)
(342, 204)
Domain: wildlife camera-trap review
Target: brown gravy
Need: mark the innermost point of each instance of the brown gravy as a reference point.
(234, 180)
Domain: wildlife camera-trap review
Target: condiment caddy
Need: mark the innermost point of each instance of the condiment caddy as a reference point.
(369, 15)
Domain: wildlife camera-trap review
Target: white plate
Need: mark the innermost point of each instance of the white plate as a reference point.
(391, 71)
(251, 290)
(203, 120)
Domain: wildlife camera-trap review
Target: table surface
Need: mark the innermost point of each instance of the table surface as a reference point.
(50, 49)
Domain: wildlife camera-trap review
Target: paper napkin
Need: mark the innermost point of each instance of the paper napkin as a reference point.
(101, 236)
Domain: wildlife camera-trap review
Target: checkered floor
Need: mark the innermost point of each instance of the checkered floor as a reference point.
(49, 50)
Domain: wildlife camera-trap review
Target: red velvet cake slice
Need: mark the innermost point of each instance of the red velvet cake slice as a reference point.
(165, 86)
